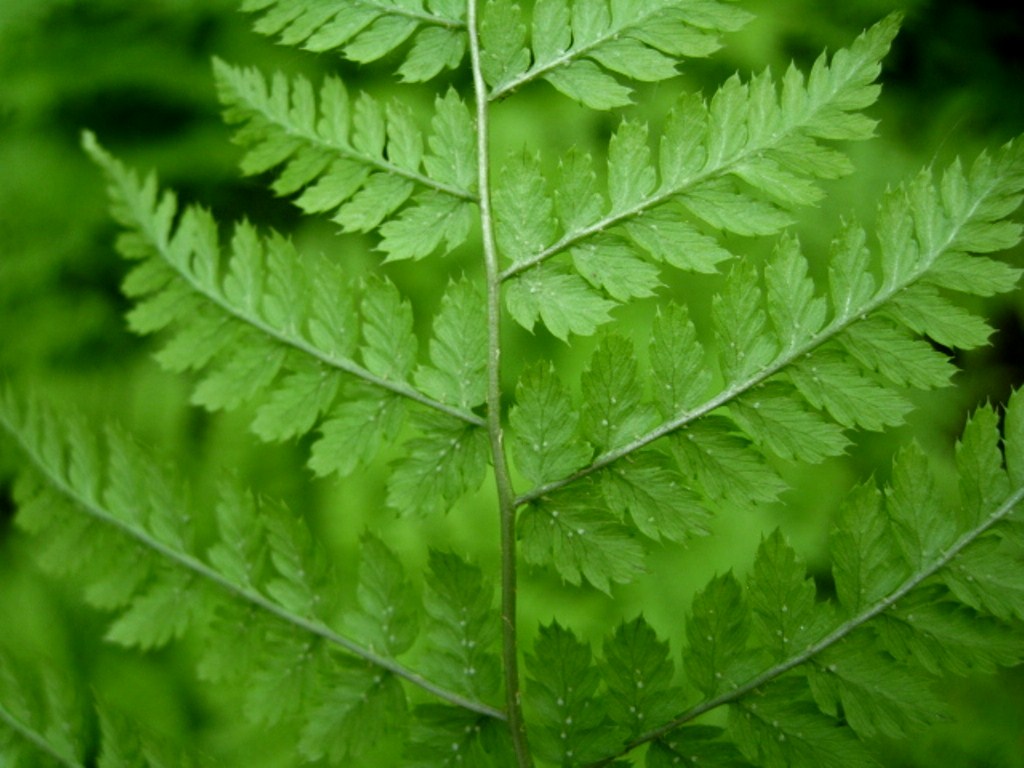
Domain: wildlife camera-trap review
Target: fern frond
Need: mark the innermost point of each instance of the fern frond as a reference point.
(357, 159)
(367, 30)
(264, 561)
(788, 386)
(788, 665)
(579, 48)
(265, 327)
(41, 724)
(738, 164)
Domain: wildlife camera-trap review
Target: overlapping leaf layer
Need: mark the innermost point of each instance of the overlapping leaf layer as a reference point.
(797, 352)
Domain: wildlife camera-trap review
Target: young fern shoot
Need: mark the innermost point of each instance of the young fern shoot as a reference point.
(786, 365)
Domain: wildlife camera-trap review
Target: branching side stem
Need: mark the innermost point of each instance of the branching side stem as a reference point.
(833, 637)
(506, 494)
(241, 592)
(35, 739)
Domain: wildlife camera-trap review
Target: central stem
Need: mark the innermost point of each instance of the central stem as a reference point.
(506, 495)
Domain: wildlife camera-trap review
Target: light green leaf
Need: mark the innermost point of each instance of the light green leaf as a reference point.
(452, 158)
(296, 403)
(562, 694)
(721, 206)
(630, 57)
(866, 563)
(611, 265)
(922, 309)
(922, 521)
(433, 49)
(584, 81)
(380, 38)
(638, 673)
(664, 234)
(631, 177)
(503, 53)
(354, 431)
(358, 710)
(390, 347)
(724, 465)
(523, 210)
(464, 628)
(546, 444)
(572, 533)
(447, 460)
(875, 695)
(655, 496)
(775, 418)
(830, 381)
(717, 634)
(984, 485)
(160, 613)
(552, 31)
(614, 412)
(795, 311)
(388, 617)
(380, 196)
(849, 273)
(577, 201)
(458, 351)
(745, 344)
(562, 301)
(678, 361)
(787, 618)
(430, 220)
(881, 346)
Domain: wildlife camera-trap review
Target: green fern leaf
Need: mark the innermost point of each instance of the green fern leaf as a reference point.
(943, 636)
(446, 462)
(572, 532)
(866, 562)
(446, 736)
(786, 617)
(638, 674)
(358, 710)
(160, 613)
(355, 429)
(699, 744)
(546, 444)
(614, 412)
(562, 300)
(775, 419)
(722, 465)
(41, 722)
(741, 325)
(717, 633)
(575, 48)
(458, 351)
(654, 495)
(464, 628)
(572, 724)
(781, 727)
(503, 41)
(677, 361)
(367, 31)
(388, 619)
(874, 694)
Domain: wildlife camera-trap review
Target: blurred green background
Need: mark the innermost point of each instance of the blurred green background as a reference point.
(138, 74)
